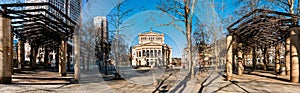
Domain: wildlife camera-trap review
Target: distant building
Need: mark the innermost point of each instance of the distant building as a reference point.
(151, 50)
(176, 61)
(217, 51)
(101, 40)
(185, 57)
(101, 28)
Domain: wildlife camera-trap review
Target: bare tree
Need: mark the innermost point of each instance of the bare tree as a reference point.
(116, 19)
(181, 13)
(201, 39)
(88, 40)
(215, 29)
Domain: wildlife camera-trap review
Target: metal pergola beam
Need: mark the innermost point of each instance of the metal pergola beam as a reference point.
(262, 27)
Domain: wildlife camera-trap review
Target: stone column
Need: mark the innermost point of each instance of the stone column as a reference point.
(69, 58)
(46, 57)
(142, 53)
(62, 58)
(229, 56)
(153, 53)
(294, 55)
(5, 51)
(277, 59)
(56, 58)
(77, 57)
(163, 55)
(240, 60)
(287, 55)
(21, 53)
(32, 56)
(266, 58)
(254, 58)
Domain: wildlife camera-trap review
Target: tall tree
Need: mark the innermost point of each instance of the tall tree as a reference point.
(183, 13)
(201, 39)
(117, 21)
(88, 40)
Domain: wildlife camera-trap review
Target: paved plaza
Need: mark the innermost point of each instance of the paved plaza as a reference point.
(171, 81)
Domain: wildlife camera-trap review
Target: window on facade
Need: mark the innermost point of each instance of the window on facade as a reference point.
(143, 38)
(144, 54)
(147, 53)
(158, 38)
(159, 53)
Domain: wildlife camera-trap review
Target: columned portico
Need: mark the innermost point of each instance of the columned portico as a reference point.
(151, 50)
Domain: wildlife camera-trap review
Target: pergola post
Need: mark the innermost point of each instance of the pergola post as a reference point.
(69, 51)
(254, 58)
(5, 50)
(77, 57)
(266, 58)
(229, 57)
(21, 53)
(46, 57)
(240, 60)
(277, 59)
(32, 57)
(56, 58)
(62, 58)
(288, 55)
(294, 55)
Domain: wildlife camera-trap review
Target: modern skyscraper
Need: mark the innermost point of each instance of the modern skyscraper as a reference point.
(101, 28)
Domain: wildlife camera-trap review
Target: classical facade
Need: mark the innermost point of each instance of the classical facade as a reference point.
(151, 50)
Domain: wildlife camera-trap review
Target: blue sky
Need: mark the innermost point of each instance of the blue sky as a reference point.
(146, 15)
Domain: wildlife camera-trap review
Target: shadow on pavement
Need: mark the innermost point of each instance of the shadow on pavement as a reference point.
(163, 87)
(183, 84)
(210, 82)
(271, 77)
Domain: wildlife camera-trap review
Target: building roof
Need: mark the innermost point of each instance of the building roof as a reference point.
(151, 33)
(152, 44)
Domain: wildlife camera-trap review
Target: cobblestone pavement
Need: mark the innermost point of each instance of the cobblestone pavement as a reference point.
(171, 81)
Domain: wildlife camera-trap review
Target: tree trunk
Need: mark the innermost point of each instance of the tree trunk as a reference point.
(188, 26)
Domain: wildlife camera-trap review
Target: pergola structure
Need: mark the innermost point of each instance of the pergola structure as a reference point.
(40, 24)
(262, 29)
